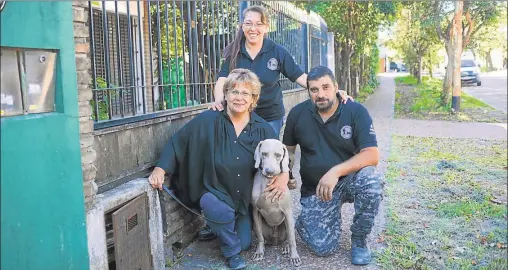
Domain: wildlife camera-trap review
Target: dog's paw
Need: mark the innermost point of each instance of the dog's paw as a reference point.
(285, 250)
(258, 256)
(296, 261)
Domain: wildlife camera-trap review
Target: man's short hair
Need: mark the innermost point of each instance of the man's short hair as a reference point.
(319, 72)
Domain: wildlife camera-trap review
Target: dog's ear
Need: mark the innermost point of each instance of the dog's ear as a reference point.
(284, 163)
(257, 155)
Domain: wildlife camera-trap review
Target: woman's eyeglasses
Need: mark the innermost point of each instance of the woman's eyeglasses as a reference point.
(236, 93)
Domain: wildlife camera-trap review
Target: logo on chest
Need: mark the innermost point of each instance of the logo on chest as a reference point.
(346, 132)
(272, 64)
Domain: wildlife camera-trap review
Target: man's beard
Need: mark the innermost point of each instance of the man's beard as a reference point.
(325, 106)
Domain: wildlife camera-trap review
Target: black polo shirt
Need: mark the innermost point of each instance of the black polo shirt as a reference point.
(325, 145)
(271, 61)
(206, 156)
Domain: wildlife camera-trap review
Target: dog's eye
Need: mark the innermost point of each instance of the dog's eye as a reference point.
(277, 156)
(264, 154)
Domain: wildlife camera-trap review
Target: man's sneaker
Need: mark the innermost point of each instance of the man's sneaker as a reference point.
(360, 253)
(206, 234)
(236, 262)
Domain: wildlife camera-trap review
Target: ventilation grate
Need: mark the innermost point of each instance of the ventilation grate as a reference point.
(132, 222)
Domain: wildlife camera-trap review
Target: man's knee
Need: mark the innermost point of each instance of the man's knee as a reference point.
(323, 248)
(369, 181)
(323, 243)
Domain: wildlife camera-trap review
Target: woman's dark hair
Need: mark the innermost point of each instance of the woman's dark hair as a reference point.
(233, 48)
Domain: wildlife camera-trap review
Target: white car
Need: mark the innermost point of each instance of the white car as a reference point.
(470, 72)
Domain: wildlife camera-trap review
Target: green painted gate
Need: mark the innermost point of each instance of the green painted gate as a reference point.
(43, 222)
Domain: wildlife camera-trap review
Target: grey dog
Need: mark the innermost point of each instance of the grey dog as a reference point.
(273, 221)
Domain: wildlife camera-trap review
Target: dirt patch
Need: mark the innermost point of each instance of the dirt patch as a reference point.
(406, 95)
(441, 208)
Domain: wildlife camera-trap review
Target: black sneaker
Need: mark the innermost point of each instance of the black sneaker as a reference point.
(360, 253)
(236, 262)
(206, 234)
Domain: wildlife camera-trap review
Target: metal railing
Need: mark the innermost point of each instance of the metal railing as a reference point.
(153, 56)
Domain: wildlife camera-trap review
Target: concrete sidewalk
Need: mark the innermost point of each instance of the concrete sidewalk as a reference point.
(206, 255)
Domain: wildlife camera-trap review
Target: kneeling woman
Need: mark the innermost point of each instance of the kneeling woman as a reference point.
(211, 163)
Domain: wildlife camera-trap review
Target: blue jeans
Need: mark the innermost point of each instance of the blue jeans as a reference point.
(234, 236)
(277, 125)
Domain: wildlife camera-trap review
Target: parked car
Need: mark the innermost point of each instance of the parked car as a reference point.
(470, 72)
(394, 66)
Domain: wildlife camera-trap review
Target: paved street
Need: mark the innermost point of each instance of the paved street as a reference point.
(493, 90)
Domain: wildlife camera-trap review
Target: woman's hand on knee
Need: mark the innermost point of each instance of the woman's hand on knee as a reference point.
(156, 178)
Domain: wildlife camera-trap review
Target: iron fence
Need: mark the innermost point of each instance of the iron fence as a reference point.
(152, 56)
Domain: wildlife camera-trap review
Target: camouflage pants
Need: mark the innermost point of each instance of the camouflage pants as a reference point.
(319, 222)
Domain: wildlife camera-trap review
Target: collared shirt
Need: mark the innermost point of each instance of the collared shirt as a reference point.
(207, 156)
(271, 61)
(327, 144)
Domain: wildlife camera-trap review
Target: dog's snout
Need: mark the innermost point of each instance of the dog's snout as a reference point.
(269, 170)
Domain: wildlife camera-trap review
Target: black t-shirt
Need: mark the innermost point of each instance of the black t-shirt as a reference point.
(325, 145)
(271, 61)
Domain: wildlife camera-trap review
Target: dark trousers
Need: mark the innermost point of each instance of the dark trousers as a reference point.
(234, 236)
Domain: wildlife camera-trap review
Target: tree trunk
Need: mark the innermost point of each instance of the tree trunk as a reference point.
(360, 68)
(456, 38)
(346, 69)
(489, 61)
(338, 62)
(447, 81)
(419, 71)
(431, 63)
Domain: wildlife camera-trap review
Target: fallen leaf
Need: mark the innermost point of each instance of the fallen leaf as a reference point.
(381, 239)
(483, 240)
(501, 245)
(425, 225)
(473, 262)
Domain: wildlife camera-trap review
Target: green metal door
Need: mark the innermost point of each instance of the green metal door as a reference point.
(42, 205)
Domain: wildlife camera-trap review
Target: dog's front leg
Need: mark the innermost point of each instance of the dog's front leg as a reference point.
(258, 227)
(290, 229)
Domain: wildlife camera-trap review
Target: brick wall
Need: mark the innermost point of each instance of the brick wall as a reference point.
(84, 81)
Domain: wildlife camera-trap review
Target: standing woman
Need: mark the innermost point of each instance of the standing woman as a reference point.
(267, 59)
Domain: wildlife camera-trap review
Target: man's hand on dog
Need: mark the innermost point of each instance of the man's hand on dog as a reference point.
(277, 187)
(156, 179)
(324, 190)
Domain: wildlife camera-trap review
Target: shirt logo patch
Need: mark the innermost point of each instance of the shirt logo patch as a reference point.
(346, 132)
(272, 64)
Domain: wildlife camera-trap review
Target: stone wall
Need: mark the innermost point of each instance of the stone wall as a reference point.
(83, 66)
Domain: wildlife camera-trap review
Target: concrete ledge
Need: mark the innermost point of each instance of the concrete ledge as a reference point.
(106, 201)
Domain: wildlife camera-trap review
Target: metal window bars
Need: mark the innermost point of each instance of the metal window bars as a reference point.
(153, 56)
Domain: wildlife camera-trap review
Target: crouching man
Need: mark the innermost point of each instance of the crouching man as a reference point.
(339, 155)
